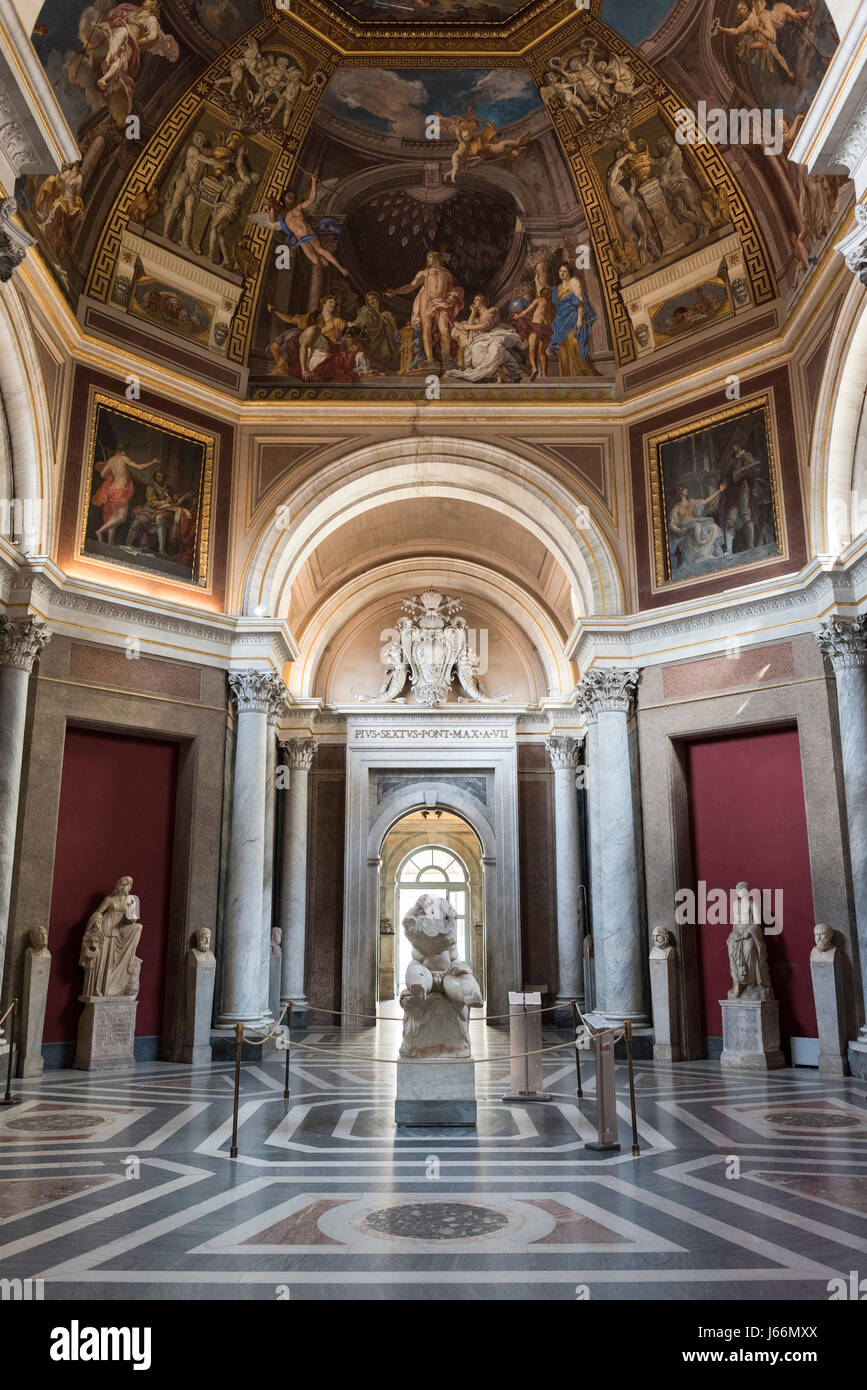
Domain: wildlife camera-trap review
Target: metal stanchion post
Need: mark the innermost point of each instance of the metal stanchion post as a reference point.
(239, 1044)
(579, 1092)
(12, 1014)
(627, 1028)
(288, 1026)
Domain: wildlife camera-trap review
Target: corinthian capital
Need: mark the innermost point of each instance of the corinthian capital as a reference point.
(21, 644)
(844, 643)
(298, 753)
(14, 240)
(279, 700)
(564, 752)
(608, 688)
(254, 691)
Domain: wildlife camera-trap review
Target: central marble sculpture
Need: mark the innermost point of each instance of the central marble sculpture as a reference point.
(106, 1029)
(436, 1000)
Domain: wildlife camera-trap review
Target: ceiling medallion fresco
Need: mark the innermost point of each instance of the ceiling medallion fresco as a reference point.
(514, 220)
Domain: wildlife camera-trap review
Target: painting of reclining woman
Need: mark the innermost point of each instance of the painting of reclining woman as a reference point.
(147, 493)
(714, 490)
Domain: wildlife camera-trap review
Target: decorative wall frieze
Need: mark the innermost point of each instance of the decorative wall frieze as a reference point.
(844, 643)
(853, 248)
(565, 753)
(34, 135)
(606, 689)
(298, 753)
(22, 643)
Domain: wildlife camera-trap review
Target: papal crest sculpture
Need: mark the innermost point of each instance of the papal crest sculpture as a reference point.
(431, 649)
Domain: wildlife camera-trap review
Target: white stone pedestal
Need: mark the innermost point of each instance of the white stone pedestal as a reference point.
(106, 1034)
(34, 994)
(751, 1034)
(275, 971)
(201, 974)
(827, 992)
(663, 994)
(435, 1093)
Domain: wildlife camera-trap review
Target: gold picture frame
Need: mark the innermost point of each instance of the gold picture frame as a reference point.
(714, 490)
(147, 486)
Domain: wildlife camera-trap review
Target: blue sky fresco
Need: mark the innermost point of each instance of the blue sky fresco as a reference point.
(635, 19)
(397, 101)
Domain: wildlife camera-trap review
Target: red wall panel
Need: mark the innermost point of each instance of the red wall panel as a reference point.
(748, 822)
(117, 807)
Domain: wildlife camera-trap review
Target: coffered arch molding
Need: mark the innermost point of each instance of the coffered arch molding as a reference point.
(535, 645)
(462, 469)
(839, 420)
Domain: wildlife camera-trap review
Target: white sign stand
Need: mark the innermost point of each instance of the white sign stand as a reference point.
(525, 1047)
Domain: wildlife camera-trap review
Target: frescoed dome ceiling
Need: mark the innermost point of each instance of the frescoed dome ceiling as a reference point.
(343, 199)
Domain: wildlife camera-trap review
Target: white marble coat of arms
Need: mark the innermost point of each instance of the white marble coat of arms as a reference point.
(430, 649)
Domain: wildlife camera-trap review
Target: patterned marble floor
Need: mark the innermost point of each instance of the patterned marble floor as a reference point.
(747, 1187)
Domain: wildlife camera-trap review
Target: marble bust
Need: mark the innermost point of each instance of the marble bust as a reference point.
(202, 941)
(824, 949)
(111, 966)
(276, 941)
(440, 988)
(39, 941)
(748, 957)
(661, 939)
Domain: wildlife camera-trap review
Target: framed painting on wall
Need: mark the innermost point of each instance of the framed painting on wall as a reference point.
(147, 490)
(714, 491)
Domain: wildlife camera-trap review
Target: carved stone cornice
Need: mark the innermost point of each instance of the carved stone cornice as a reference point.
(14, 240)
(565, 753)
(853, 248)
(22, 643)
(298, 753)
(844, 643)
(606, 689)
(255, 691)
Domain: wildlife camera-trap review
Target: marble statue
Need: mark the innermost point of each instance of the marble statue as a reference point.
(748, 958)
(277, 941)
(34, 996)
(202, 940)
(661, 939)
(824, 939)
(201, 975)
(440, 988)
(39, 941)
(111, 966)
(664, 996)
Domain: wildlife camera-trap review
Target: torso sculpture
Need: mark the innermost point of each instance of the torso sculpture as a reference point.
(748, 959)
(440, 988)
(111, 966)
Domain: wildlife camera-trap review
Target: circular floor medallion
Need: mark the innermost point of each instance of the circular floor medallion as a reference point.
(437, 1221)
(60, 1124)
(812, 1119)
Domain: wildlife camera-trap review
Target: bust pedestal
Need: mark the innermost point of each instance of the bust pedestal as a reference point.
(827, 992)
(34, 993)
(663, 995)
(751, 1034)
(201, 974)
(106, 1034)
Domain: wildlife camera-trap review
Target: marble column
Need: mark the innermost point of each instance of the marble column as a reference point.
(565, 754)
(245, 942)
(845, 646)
(278, 704)
(21, 644)
(298, 754)
(605, 695)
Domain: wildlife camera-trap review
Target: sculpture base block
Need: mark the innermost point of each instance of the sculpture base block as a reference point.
(751, 1034)
(858, 1059)
(435, 1093)
(106, 1035)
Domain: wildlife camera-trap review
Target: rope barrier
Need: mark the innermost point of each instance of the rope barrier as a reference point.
(434, 1061)
(377, 1018)
(263, 1038)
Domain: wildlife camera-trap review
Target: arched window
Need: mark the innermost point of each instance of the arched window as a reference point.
(433, 869)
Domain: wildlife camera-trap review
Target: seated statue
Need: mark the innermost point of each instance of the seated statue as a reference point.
(748, 957)
(440, 988)
(111, 966)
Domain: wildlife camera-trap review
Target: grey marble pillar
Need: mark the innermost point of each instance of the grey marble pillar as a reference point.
(21, 644)
(246, 944)
(278, 704)
(605, 696)
(298, 754)
(565, 754)
(845, 646)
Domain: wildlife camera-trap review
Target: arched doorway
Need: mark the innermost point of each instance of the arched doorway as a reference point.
(430, 851)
